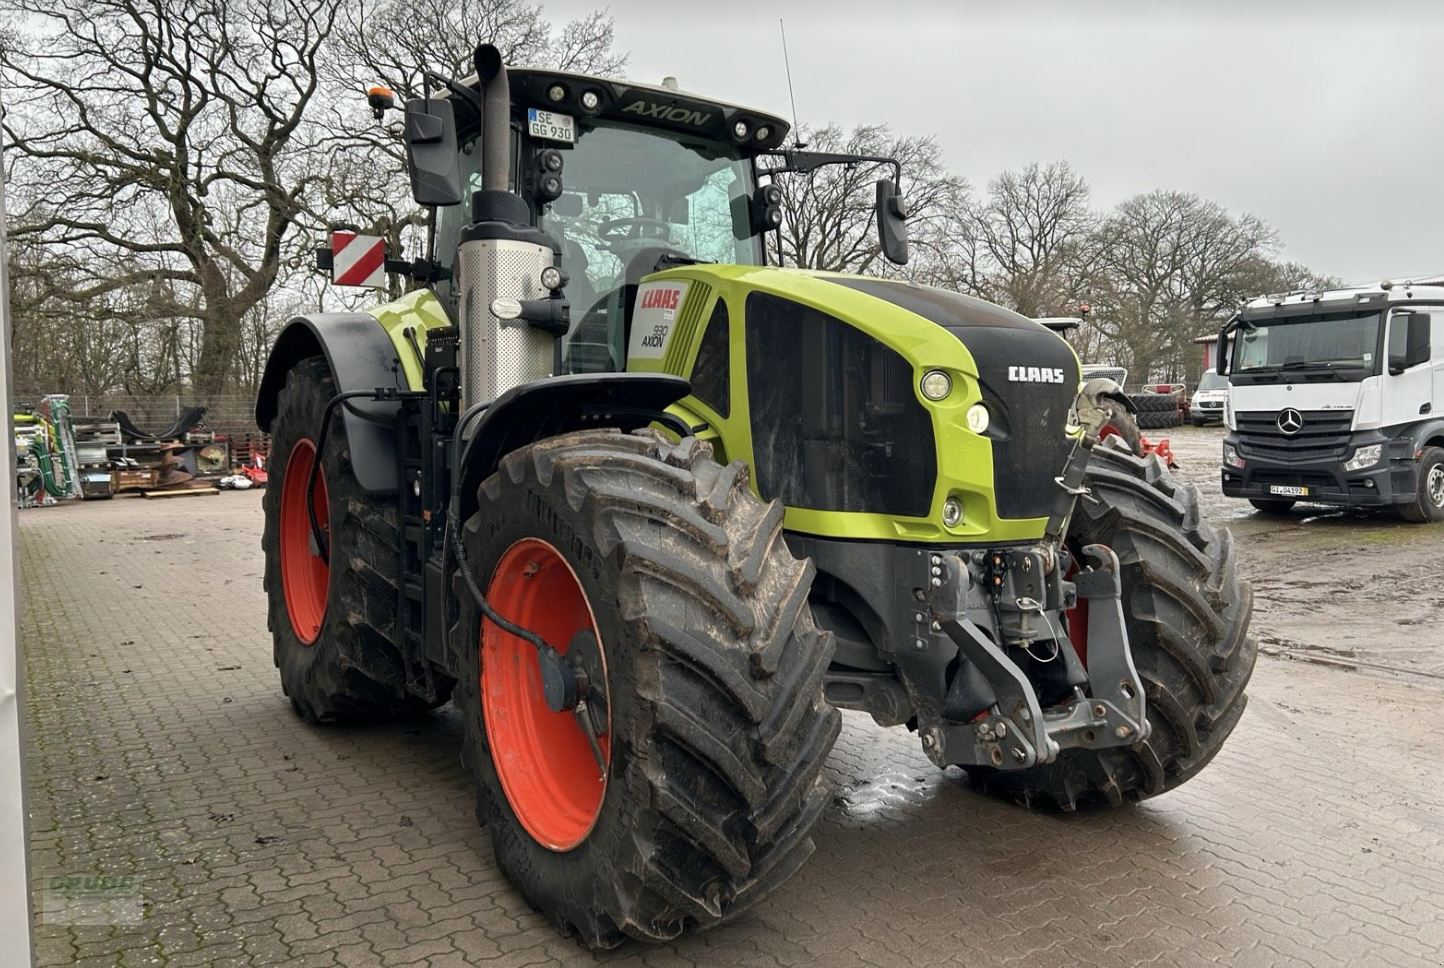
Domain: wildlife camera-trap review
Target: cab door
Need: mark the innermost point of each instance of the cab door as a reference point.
(1410, 383)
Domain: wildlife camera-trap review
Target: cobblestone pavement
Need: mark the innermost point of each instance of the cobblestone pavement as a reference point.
(160, 746)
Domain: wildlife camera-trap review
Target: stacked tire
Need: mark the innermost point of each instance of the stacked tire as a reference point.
(1156, 411)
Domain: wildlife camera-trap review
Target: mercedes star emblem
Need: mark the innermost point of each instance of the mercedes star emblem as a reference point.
(1291, 421)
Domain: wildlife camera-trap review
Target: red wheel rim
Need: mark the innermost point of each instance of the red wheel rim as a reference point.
(543, 758)
(305, 576)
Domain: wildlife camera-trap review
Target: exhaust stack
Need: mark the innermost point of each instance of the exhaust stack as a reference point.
(500, 257)
(495, 118)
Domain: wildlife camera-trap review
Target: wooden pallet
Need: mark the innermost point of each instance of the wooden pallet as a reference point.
(180, 491)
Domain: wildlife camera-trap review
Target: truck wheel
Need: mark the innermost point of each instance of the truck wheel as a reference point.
(1187, 616)
(1275, 506)
(684, 786)
(332, 626)
(1428, 503)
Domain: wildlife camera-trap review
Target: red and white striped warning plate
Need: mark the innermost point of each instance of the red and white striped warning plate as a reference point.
(358, 260)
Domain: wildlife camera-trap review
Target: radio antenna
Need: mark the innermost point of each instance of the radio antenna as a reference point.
(796, 143)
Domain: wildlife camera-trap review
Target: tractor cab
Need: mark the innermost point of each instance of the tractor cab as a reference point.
(626, 179)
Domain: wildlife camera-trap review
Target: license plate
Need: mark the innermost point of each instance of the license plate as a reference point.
(550, 125)
(1288, 491)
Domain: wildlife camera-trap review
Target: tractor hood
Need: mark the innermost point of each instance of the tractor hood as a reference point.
(1028, 376)
(815, 360)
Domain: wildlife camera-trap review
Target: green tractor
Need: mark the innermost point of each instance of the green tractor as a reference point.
(648, 511)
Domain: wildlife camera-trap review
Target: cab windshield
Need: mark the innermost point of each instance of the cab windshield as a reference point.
(1212, 381)
(629, 190)
(630, 194)
(1336, 346)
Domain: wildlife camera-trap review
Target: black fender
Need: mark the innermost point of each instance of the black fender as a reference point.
(361, 357)
(1426, 434)
(559, 405)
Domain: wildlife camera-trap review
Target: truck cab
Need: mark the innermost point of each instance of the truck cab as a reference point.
(1337, 397)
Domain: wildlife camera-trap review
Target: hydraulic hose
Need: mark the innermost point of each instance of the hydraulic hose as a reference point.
(323, 543)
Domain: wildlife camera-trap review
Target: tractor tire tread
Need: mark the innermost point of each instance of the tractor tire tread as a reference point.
(730, 730)
(1187, 616)
(353, 672)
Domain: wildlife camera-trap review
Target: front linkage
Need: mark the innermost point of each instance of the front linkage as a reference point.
(1023, 595)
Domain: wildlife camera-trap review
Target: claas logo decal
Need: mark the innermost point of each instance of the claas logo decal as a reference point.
(661, 299)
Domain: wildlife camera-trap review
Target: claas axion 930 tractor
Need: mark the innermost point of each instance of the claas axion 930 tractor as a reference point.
(648, 511)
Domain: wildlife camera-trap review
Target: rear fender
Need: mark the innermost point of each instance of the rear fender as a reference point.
(360, 356)
(559, 405)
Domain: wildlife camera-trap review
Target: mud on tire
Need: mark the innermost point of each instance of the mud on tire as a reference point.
(717, 725)
(1187, 616)
(352, 670)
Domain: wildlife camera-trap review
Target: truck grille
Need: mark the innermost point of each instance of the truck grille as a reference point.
(1324, 436)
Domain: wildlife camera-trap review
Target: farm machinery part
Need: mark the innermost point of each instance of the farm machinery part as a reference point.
(649, 510)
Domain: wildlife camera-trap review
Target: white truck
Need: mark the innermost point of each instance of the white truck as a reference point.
(1338, 398)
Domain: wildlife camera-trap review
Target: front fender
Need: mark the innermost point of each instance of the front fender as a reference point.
(559, 405)
(360, 356)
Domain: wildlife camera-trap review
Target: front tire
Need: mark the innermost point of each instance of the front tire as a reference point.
(332, 625)
(1187, 617)
(700, 652)
(1428, 503)
(1121, 424)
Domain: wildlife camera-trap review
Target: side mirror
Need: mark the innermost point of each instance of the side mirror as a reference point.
(1418, 350)
(1416, 341)
(431, 152)
(892, 229)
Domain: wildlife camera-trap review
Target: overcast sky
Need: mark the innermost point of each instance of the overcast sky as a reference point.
(1325, 118)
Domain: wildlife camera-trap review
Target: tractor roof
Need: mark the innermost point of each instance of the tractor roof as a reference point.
(650, 105)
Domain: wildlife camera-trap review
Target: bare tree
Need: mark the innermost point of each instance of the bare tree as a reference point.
(164, 142)
(395, 42)
(1172, 266)
(828, 213)
(1026, 239)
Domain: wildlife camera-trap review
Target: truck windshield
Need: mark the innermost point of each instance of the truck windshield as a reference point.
(1212, 381)
(1334, 346)
(630, 189)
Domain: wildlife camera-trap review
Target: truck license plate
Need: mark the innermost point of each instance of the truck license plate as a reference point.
(550, 125)
(1288, 491)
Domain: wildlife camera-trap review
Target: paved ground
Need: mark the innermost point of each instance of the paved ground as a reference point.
(162, 747)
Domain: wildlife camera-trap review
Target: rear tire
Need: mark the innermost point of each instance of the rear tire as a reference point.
(1428, 503)
(331, 627)
(1187, 616)
(1272, 506)
(716, 729)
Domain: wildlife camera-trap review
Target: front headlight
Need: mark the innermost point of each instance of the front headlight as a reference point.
(1230, 456)
(1364, 457)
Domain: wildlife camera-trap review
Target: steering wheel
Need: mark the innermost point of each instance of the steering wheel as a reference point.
(616, 232)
